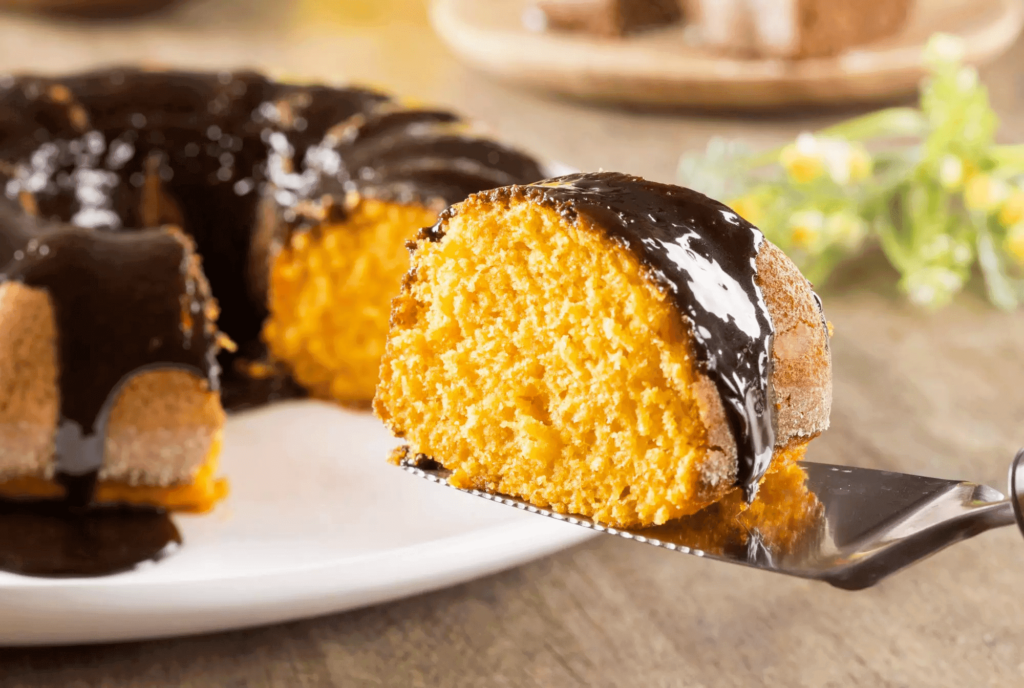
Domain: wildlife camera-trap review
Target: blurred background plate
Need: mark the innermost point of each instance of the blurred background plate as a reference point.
(317, 522)
(660, 67)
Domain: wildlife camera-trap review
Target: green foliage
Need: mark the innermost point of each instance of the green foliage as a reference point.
(928, 184)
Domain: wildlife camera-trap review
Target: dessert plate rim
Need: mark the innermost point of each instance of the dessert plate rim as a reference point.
(148, 602)
(243, 565)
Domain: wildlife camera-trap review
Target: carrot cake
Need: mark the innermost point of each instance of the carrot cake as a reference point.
(603, 345)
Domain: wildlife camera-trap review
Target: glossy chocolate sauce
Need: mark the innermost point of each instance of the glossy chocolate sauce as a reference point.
(424, 157)
(123, 302)
(236, 161)
(118, 302)
(704, 255)
(51, 539)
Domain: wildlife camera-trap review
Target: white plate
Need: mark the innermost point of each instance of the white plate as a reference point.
(317, 522)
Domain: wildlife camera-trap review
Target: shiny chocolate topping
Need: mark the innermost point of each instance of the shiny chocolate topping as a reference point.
(125, 148)
(408, 156)
(51, 539)
(123, 302)
(91, 163)
(703, 255)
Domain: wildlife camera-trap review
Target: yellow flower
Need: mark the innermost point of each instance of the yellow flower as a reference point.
(1014, 243)
(803, 169)
(747, 207)
(1012, 211)
(805, 229)
(970, 171)
(984, 192)
(802, 159)
(811, 156)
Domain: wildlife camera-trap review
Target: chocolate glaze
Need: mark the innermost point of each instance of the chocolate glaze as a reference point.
(703, 255)
(94, 155)
(126, 148)
(123, 303)
(47, 538)
(424, 157)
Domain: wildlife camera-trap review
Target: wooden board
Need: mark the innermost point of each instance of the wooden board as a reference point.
(660, 67)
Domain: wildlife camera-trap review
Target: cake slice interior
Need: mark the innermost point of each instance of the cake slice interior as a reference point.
(533, 356)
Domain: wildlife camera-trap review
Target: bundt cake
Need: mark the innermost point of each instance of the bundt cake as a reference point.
(606, 346)
(169, 236)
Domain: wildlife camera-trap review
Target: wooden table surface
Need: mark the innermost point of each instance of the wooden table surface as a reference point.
(941, 394)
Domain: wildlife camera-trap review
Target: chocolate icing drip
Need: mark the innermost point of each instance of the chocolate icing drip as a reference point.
(99, 157)
(123, 149)
(703, 255)
(123, 303)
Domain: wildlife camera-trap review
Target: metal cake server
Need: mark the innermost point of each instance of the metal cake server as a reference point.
(867, 524)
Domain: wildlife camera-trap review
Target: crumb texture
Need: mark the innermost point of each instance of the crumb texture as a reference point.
(533, 358)
(330, 294)
(29, 401)
(161, 429)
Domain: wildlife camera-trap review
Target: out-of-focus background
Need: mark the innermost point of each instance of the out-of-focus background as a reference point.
(928, 349)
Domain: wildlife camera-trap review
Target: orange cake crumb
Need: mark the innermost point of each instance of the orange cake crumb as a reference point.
(330, 295)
